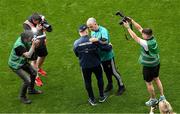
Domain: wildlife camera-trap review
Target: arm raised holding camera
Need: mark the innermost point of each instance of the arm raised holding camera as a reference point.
(133, 35)
(136, 25)
(140, 41)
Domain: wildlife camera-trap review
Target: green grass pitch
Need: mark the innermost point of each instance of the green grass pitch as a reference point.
(63, 88)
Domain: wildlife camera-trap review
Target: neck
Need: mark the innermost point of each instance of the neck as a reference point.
(23, 41)
(83, 34)
(97, 28)
(150, 38)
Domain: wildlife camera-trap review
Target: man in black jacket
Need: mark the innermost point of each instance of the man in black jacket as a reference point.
(90, 62)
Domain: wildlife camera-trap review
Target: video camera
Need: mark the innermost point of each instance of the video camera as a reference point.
(124, 18)
(46, 26)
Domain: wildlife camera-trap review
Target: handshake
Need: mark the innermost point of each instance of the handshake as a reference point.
(95, 40)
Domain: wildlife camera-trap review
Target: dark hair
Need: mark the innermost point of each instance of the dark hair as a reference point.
(147, 31)
(26, 34)
(36, 17)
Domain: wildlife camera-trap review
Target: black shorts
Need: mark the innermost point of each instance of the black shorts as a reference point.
(39, 52)
(149, 73)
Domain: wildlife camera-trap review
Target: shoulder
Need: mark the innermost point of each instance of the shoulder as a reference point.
(103, 29)
(92, 33)
(26, 26)
(19, 42)
(76, 42)
(19, 48)
(152, 41)
(142, 40)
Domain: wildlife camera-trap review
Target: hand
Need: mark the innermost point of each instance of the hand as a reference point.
(39, 27)
(129, 19)
(110, 44)
(126, 24)
(93, 40)
(35, 42)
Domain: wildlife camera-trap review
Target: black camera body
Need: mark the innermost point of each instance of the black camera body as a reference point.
(124, 18)
(46, 26)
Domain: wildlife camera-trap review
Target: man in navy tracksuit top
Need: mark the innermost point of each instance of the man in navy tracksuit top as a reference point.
(87, 52)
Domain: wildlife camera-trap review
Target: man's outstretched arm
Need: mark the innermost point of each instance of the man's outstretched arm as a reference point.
(137, 26)
(133, 35)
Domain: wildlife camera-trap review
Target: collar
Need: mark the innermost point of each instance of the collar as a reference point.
(152, 37)
(85, 36)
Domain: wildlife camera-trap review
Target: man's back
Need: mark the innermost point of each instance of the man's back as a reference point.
(87, 52)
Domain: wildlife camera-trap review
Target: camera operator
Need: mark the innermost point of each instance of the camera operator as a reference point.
(18, 62)
(107, 58)
(39, 26)
(149, 58)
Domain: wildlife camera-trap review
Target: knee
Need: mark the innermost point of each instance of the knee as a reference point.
(108, 74)
(88, 86)
(100, 80)
(156, 79)
(27, 82)
(43, 57)
(34, 73)
(149, 84)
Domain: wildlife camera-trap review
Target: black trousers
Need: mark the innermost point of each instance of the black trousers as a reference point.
(28, 74)
(110, 70)
(87, 73)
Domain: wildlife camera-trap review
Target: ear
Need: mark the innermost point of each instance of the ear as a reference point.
(33, 20)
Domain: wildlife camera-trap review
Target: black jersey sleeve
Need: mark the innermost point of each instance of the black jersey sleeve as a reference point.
(20, 50)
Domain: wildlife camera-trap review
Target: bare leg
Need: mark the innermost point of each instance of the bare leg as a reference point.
(37, 80)
(33, 63)
(40, 61)
(150, 89)
(159, 85)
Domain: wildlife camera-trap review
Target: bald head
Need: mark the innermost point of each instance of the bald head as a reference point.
(164, 107)
(91, 21)
(92, 24)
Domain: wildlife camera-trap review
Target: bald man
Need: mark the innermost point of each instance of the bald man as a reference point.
(107, 58)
